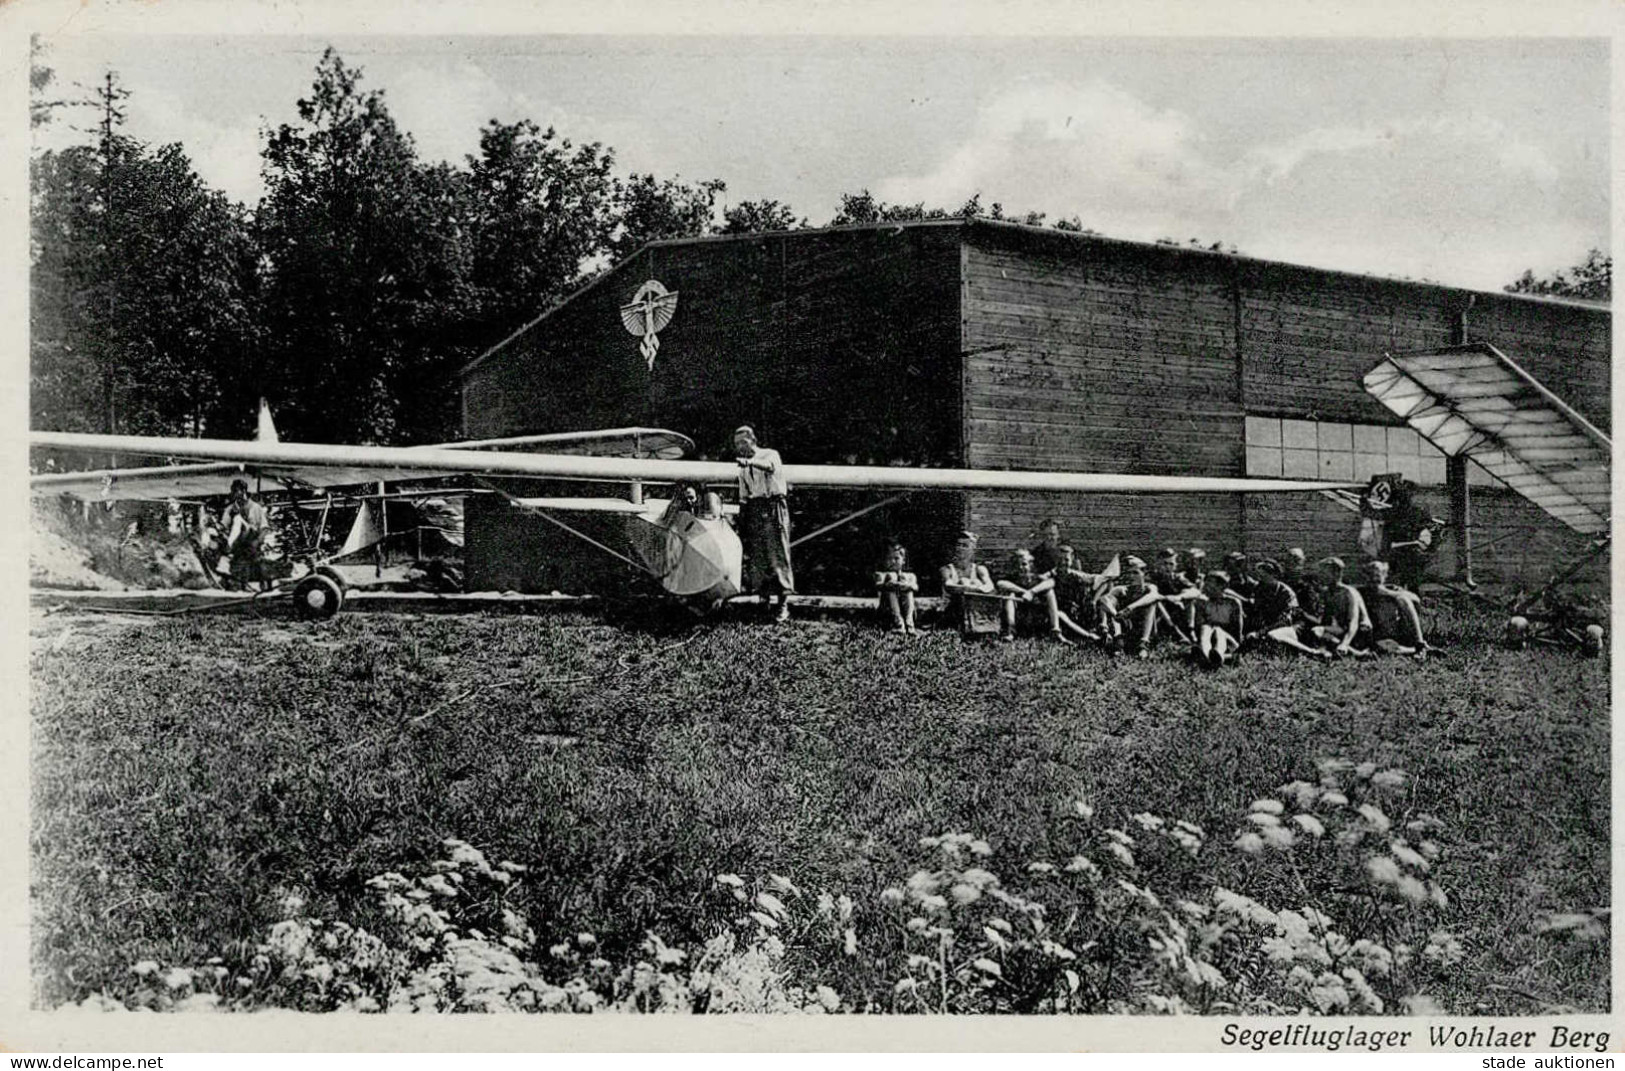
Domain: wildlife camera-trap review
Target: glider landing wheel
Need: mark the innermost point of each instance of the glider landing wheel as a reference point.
(333, 575)
(317, 597)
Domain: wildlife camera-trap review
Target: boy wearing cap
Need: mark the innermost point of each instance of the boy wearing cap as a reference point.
(764, 520)
(245, 522)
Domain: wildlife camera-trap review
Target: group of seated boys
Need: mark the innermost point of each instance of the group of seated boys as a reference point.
(1130, 607)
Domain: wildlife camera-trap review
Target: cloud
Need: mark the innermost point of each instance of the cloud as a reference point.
(1456, 197)
(225, 155)
(1089, 149)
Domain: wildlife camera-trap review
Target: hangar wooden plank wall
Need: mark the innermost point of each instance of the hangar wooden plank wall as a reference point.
(1000, 346)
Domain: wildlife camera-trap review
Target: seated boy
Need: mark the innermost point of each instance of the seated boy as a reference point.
(1396, 622)
(1133, 605)
(1177, 590)
(1345, 621)
(1220, 620)
(1276, 615)
(1076, 593)
(1242, 581)
(970, 590)
(1030, 599)
(897, 587)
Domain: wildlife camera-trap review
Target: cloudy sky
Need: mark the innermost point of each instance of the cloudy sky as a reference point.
(1458, 160)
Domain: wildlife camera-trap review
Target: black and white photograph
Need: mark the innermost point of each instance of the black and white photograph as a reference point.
(1075, 529)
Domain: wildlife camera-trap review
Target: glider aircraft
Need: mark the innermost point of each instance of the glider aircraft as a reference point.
(686, 542)
(1470, 401)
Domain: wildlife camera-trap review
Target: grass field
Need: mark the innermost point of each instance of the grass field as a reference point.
(190, 773)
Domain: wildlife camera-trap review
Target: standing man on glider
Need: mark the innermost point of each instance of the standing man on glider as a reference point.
(764, 515)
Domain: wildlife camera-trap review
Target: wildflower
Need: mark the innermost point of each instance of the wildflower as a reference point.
(1329, 993)
(782, 884)
(144, 967)
(830, 999)
(891, 895)
(1300, 977)
(843, 906)
(1405, 854)
(598, 963)
(1058, 951)
(1083, 810)
(849, 941)
(987, 966)
(1300, 792)
(1421, 1004)
(733, 880)
(1267, 806)
(772, 904)
(1147, 820)
(512, 867)
(1040, 868)
(1365, 770)
(585, 939)
(905, 985)
(965, 894)
(999, 924)
(1263, 818)
(1377, 819)
(436, 883)
(321, 974)
(1120, 837)
(1437, 895)
(994, 937)
(1278, 837)
(1363, 993)
(1389, 779)
(922, 882)
(1412, 889)
(933, 902)
(1334, 799)
(1081, 865)
(766, 921)
(1122, 854)
(917, 962)
(916, 924)
(1251, 843)
(1443, 949)
(1072, 980)
(980, 848)
(1371, 957)
(561, 950)
(1383, 869)
(1310, 824)
(1429, 850)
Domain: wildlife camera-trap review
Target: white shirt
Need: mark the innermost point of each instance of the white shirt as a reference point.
(757, 481)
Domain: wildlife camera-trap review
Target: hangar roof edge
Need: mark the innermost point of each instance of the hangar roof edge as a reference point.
(1013, 228)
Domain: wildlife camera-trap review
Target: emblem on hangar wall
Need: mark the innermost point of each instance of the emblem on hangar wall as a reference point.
(649, 311)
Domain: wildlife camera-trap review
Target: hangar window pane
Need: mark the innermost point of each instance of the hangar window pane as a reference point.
(1300, 463)
(1335, 438)
(1263, 431)
(1299, 435)
(1370, 439)
(1263, 460)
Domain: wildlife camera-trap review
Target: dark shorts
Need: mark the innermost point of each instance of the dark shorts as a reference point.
(765, 527)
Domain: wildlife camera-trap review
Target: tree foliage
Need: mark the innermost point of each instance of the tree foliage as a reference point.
(756, 217)
(141, 289)
(650, 209)
(1591, 279)
(365, 259)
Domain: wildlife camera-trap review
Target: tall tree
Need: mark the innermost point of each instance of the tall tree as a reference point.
(1592, 279)
(650, 209)
(366, 260)
(141, 285)
(539, 210)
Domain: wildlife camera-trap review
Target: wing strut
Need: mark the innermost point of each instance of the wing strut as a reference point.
(584, 537)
